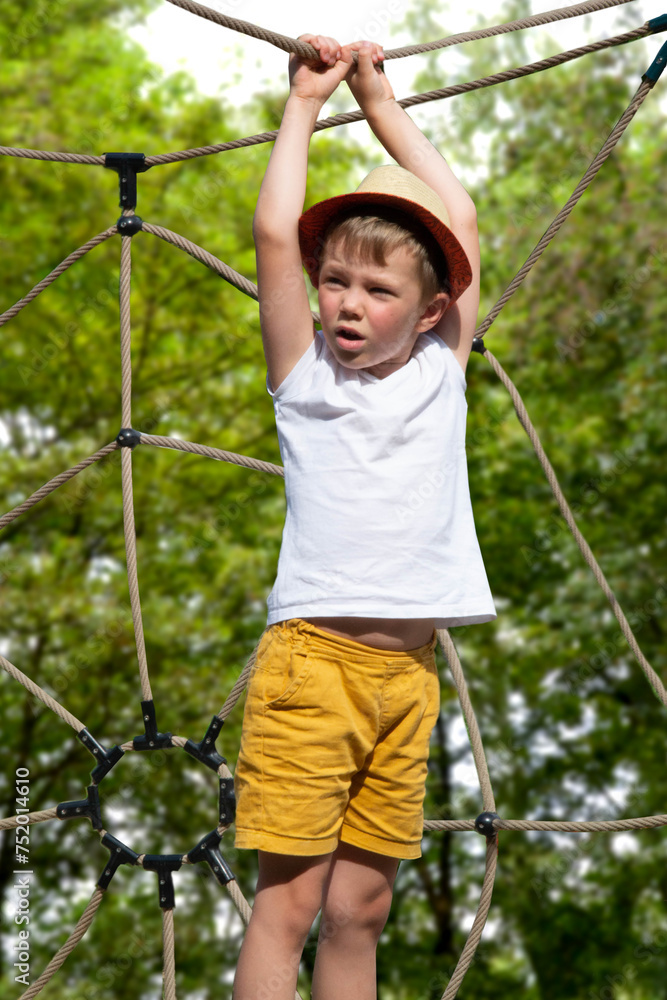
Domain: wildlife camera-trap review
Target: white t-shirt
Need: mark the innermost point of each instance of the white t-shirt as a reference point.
(379, 521)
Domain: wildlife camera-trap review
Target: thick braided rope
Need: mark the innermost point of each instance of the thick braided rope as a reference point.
(126, 464)
(27, 819)
(53, 484)
(239, 687)
(588, 177)
(57, 271)
(583, 545)
(169, 955)
(475, 936)
(47, 154)
(348, 117)
(481, 766)
(558, 826)
(216, 453)
(228, 273)
(305, 50)
(82, 926)
(239, 900)
(38, 692)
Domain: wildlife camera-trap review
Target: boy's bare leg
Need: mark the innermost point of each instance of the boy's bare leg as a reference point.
(287, 900)
(355, 907)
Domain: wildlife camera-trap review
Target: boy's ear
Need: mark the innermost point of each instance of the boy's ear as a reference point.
(434, 311)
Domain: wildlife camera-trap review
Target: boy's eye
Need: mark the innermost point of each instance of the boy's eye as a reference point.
(381, 291)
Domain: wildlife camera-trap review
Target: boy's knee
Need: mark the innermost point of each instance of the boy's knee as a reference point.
(359, 913)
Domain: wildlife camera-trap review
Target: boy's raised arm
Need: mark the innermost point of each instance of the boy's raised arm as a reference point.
(407, 144)
(287, 326)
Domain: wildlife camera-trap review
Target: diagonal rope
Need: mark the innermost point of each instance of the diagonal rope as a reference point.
(592, 171)
(449, 649)
(569, 518)
(228, 273)
(348, 117)
(239, 687)
(216, 453)
(53, 484)
(126, 465)
(38, 692)
(82, 926)
(57, 271)
(27, 819)
(475, 936)
(303, 49)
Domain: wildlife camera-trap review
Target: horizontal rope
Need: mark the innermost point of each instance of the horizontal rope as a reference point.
(349, 117)
(37, 691)
(557, 826)
(27, 819)
(54, 483)
(306, 51)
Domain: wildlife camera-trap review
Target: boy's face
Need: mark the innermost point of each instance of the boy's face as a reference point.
(372, 314)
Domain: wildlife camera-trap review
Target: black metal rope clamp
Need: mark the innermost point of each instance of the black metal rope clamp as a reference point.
(88, 808)
(119, 855)
(106, 758)
(152, 739)
(484, 824)
(654, 72)
(205, 751)
(479, 345)
(127, 437)
(127, 166)
(164, 865)
(208, 850)
(227, 801)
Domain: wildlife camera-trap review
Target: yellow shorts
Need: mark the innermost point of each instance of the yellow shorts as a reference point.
(334, 745)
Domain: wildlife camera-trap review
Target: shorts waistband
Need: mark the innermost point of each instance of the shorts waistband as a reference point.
(327, 640)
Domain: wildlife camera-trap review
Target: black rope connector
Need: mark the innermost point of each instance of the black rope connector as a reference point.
(129, 225)
(208, 850)
(164, 865)
(127, 166)
(88, 808)
(205, 752)
(152, 739)
(484, 824)
(127, 437)
(227, 801)
(654, 72)
(106, 758)
(119, 854)
(479, 345)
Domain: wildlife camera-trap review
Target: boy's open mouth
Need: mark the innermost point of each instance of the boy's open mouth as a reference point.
(348, 338)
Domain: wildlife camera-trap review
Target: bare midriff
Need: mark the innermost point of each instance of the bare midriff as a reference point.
(382, 633)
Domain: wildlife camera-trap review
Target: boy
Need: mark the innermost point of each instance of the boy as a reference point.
(379, 545)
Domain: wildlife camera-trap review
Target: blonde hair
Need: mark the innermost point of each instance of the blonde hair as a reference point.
(371, 238)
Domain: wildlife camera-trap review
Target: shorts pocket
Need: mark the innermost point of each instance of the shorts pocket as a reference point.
(295, 673)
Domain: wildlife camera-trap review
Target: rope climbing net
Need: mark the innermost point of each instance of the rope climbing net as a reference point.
(488, 823)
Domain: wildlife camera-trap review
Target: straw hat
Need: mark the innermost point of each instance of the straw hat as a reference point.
(398, 189)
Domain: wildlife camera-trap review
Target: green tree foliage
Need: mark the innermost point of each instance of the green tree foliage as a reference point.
(572, 729)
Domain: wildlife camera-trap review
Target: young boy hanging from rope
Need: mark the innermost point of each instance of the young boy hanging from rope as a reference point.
(379, 546)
